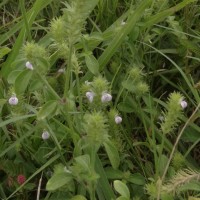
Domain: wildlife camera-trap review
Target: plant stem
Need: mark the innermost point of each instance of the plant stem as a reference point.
(48, 86)
(68, 72)
(173, 150)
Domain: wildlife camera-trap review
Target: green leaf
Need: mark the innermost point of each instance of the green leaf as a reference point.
(122, 198)
(103, 186)
(58, 180)
(193, 198)
(2, 102)
(162, 163)
(83, 161)
(122, 189)
(193, 186)
(78, 197)
(120, 36)
(92, 64)
(113, 154)
(129, 85)
(137, 179)
(4, 51)
(113, 173)
(125, 107)
(13, 75)
(22, 81)
(48, 109)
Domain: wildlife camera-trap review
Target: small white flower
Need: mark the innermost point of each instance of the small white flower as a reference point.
(29, 65)
(183, 104)
(61, 70)
(45, 135)
(118, 119)
(13, 100)
(90, 96)
(67, 170)
(88, 83)
(123, 23)
(161, 118)
(106, 97)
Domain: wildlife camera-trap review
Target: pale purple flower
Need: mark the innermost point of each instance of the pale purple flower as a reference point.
(13, 100)
(29, 65)
(90, 96)
(118, 119)
(183, 104)
(45, 135)
(106, 97)
(61, 70)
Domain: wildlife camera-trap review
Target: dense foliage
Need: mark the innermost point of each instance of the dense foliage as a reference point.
(99, 99)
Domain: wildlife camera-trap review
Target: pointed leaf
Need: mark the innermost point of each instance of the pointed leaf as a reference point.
(78, 197)
(112, 154)
(13, 75)
(137, 179)
(122, 189)
(92, 64)
(22, 81)
(58, 180)
(48, 109)
(4, 51)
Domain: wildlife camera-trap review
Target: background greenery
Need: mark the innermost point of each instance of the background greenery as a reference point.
(145, 54)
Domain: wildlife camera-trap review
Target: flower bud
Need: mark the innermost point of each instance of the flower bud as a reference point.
(183, 104)
(13, 100)
(61, 70)
(29, 65)
(21, 179)
(106, 97)
(90, 96)
(45, 135)
(118, 119)
(123, 23)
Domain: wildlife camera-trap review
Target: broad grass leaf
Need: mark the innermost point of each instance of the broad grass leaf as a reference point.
(122, 198)
(22, 81)
(58, 180)
(122, 189)
(92, 64)
(112, 153)
(192, 186)
(13, 75)
(78, 197)
(125, 107)
(83, 161)
(48, 109)
(129, 85)
(4, 51)
(137, 179)
(113, 173)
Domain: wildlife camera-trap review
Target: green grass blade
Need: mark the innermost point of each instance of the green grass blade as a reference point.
(163, 14)
(15, 119)
(33, 175)
(31, 15)
(103, 184)
(119, 38)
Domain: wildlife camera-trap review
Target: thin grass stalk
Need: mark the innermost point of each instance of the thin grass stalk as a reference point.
(68, 73)
(23, 10)
(173, 150)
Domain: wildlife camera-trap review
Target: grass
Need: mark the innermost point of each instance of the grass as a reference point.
(95, 62)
